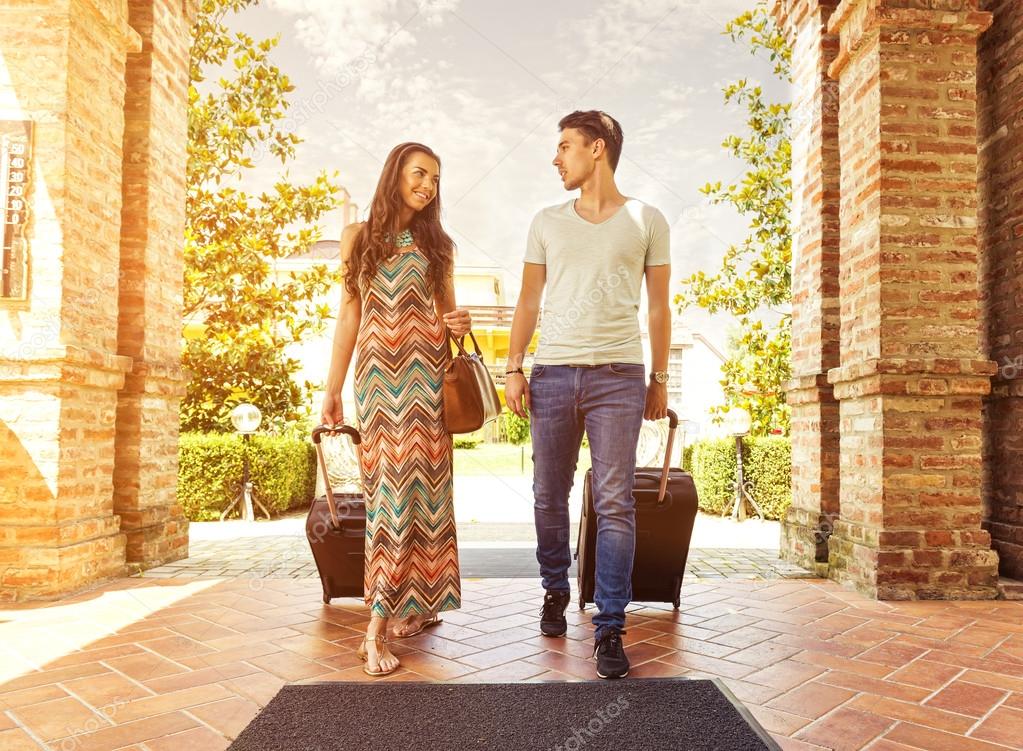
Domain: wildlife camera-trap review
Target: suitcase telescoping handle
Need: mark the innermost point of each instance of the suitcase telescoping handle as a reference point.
(672, 426)
(318, 432)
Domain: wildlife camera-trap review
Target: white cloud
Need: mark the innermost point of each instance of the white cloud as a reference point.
(485, 85)
(336, 33)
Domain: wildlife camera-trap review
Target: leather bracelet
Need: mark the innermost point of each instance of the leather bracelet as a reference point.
(517, 370)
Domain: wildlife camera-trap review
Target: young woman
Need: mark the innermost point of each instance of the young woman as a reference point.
(398, 298)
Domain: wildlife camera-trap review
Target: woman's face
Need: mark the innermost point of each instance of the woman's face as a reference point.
(420, 180)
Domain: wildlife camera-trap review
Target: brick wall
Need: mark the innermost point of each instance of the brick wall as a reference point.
(1000, 134)
(815, 294)
(151, 267)
(60, 370)
(89, 374)
(912, 375)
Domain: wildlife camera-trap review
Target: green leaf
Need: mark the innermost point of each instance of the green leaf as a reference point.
(755, 274)
(232, 237)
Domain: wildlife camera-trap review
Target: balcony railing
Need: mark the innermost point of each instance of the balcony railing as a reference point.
(491, 316)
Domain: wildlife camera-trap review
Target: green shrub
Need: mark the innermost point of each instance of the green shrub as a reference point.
(767, 466)
(515, 427)
(300, 428)
(466, 443)
(282, 469)
(713, 462)
(767, 462)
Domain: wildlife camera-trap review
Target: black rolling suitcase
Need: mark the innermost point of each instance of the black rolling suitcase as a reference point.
(666, 507)
(336, 529)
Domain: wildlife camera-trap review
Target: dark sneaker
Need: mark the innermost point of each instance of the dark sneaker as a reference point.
(610, 655)
(552, 614)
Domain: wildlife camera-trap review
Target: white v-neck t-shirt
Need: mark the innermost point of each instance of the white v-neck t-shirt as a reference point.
(594, 279)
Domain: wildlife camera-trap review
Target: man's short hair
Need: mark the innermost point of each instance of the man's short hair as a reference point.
(596, 124)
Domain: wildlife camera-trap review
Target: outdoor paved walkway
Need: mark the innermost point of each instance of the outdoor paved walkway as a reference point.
(278, 548)
(164, 664)
(289, 556)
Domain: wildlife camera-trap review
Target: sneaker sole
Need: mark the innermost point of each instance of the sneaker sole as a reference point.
(554, 636)
(610, 677)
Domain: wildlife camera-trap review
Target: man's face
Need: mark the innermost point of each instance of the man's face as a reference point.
(574, 159)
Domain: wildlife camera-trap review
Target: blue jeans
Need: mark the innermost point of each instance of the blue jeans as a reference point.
(608, 402)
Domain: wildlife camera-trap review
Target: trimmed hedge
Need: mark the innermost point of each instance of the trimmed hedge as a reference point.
(282, 469)
(767, 466)
(514, 428)
(767, 462)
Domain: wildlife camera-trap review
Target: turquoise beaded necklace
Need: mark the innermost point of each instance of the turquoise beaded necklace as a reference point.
(404, 238)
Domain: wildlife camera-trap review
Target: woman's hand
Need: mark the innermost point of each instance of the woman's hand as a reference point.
(332, 411)
(458, 321)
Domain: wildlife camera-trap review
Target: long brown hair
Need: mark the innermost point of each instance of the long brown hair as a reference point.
(371, 244)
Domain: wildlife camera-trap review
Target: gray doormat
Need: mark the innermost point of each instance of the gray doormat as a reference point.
(641, 714)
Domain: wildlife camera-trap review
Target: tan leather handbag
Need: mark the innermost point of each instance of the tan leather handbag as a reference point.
(470, 397)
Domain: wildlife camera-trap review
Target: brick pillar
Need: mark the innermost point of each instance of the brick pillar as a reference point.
(59, 367)
(149, 330)
(815, 317)
(1000, 135)
(912, 375)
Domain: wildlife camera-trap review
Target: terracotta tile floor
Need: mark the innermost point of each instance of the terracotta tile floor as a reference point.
(186, 663)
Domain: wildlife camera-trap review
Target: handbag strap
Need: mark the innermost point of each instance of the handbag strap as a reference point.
(460, 344)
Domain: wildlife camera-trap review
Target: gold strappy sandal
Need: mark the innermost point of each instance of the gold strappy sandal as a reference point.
(425, 624)
(364, 656)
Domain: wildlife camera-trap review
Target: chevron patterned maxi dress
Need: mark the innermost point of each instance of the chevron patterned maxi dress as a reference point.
(411, 547)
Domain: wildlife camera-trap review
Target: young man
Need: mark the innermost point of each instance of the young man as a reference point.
(592, 254)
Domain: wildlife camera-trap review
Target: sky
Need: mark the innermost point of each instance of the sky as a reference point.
(484, 84)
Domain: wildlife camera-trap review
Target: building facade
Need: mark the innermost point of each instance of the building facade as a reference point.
(907, 335)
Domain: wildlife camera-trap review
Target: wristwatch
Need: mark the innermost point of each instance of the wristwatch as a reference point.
(661, 376)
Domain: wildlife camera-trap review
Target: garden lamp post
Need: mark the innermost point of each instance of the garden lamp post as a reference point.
(738, 423)
(246, 419)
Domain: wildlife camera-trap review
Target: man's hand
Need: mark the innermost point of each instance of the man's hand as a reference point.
(516, 394)
(656, 401)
